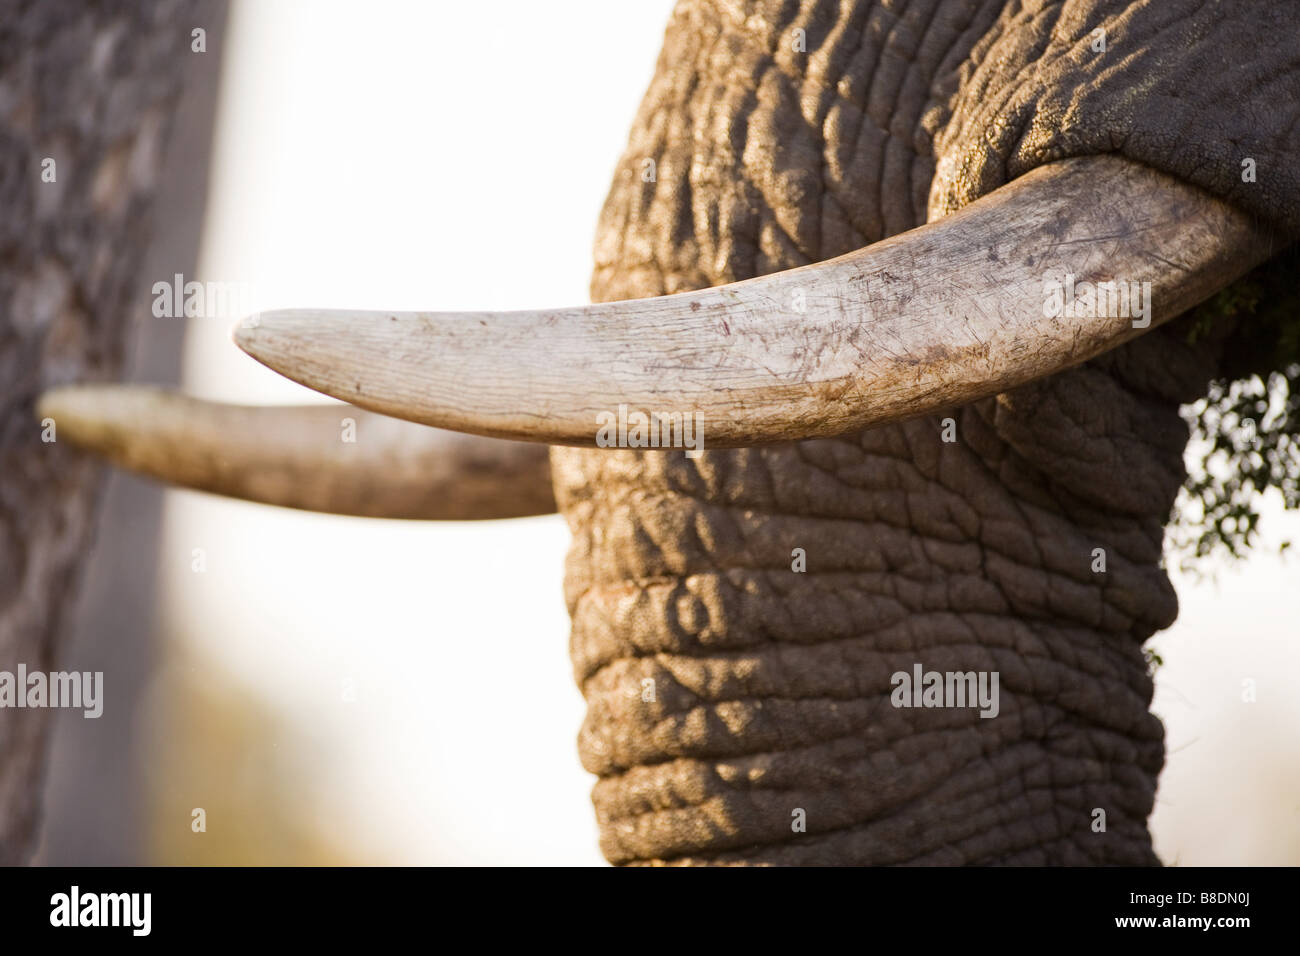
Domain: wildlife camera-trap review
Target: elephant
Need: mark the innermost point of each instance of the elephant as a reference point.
(832, 244)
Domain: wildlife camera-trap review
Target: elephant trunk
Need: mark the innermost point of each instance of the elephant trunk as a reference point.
(738, 620)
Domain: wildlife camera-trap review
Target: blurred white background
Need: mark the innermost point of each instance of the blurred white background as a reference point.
(438, 155)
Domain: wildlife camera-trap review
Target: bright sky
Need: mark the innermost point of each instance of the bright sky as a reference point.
(442, 155)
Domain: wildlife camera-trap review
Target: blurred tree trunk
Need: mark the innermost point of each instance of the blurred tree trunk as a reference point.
(96, 88)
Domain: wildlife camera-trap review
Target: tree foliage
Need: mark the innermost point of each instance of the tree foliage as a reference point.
(1246, 430)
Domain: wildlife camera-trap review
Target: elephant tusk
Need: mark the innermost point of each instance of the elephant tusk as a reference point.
(930, 319)
(328, 458)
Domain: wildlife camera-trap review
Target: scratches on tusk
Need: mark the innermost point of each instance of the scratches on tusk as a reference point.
(931, 319)
(330, 458)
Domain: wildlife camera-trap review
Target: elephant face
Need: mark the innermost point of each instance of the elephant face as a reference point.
(747, 621)
(772, 687)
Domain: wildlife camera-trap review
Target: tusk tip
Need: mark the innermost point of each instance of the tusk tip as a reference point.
(90, 416)
(68, 401)
(268, 336)
(244, 332)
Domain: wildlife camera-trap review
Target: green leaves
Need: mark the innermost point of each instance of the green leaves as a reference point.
(1246, 430)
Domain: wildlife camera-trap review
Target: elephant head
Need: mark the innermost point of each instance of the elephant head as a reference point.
(848, 241)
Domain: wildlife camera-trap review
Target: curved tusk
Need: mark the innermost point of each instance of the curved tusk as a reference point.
(299, 456)
(931, 319)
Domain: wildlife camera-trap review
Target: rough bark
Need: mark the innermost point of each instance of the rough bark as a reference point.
(96, 787)
(95, 87)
